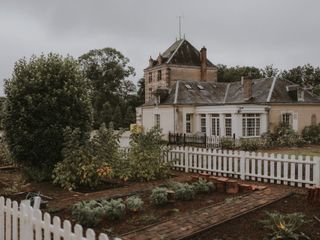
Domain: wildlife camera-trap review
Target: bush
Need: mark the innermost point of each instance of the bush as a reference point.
(311, 134)
(227, 143)
(146, 156)
(82, 166)
(184, 191)
(247, 144)
(284, 226)
(44, 96)
(5, 157)
(88, 214)
(114, 209)
(159, 196)
(134, 203)
(203, 186)
(284, 136)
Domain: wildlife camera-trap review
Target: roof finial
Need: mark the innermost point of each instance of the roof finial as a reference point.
(180, 23)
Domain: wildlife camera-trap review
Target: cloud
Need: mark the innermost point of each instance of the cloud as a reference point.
(285, 33)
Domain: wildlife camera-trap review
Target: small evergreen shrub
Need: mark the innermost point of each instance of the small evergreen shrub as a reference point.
(247, 144)
(114, 209)
(227, 143)
(285, 226)
(159, 196)
(88, 214)
(203, 186)
(134, 203)
(184, 191)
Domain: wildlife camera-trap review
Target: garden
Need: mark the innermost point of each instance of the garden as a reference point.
(52, 148)
(291, 218)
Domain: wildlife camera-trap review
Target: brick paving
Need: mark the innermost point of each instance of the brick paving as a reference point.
(193, 222)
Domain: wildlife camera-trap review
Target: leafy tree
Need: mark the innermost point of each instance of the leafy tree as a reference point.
(146, 156)
(269, 71)
(87, 162)
(232, 74)
(306, 75)
(107, 70)
(44, 96)
(141, 91)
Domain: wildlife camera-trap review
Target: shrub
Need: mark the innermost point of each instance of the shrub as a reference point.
(81, 166)
(203, 186)
(146, 156)
(312, 134)
(184, 191)
(284, 226)
(5, 157)
(114, 209)
(44, 96)
(227, 143)
(134, 203)
(159, 196)
(284, 136)
(88, 214)
(247, 144)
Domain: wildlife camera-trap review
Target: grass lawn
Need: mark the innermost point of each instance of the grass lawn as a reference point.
(308, 150)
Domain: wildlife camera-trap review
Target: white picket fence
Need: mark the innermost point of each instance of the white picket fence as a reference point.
(23, 222)
(274, 168)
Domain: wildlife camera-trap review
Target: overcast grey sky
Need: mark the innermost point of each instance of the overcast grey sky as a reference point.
(285, 33)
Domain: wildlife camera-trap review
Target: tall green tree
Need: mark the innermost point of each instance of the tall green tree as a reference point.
(306, 74)
(269, 71)
(233, 74)
(45, 95)
(108, 70)
(141, 91)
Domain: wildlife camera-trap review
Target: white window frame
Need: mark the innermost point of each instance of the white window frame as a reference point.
(251, 124)
(215, 125)
(189, 122)
(203, 123)
(228, 125)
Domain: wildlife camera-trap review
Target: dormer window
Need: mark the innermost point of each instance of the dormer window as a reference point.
(200, 87)
(159, 75)
(188, 86)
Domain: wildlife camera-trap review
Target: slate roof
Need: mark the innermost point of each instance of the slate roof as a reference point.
(220, 93)
(182, 52)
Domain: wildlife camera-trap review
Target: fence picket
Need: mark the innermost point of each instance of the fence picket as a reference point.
(8, 219)
(300, 158)
(285, 169)
(2, 207)
(266, 164)
(307, 167)
(47, 224)
(292, 171)
(278, 169)
(37, 223)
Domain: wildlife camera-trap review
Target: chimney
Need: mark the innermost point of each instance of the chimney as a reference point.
(203, 61)
(160, 59)
(246, 83)
(150, 62)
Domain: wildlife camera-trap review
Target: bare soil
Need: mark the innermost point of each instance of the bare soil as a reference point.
(248, 227)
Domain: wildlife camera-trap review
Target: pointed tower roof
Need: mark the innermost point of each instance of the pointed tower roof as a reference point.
(182, 52)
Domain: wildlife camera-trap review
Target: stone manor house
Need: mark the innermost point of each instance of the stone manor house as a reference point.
(184, 95)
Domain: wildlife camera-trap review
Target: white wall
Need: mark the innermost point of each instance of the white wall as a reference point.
(166, 118)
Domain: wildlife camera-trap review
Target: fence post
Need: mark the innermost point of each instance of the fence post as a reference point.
(316, 171)
(186, 159)
(242, 165)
